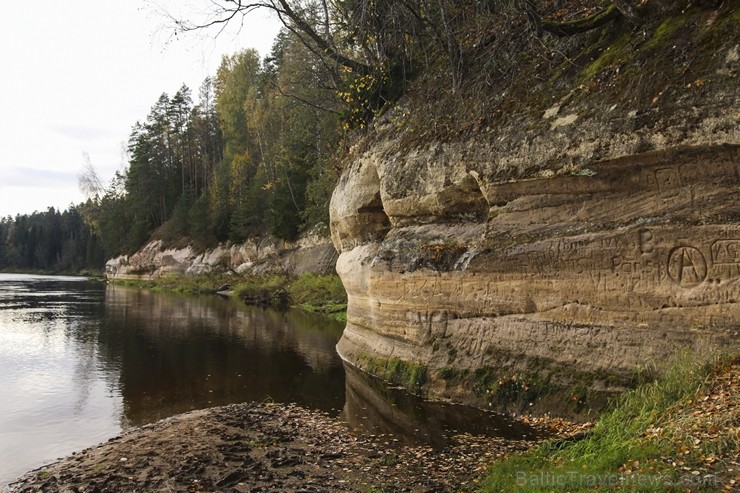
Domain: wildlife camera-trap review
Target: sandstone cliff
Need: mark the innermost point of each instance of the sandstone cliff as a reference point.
(257, 256)
(573, 241)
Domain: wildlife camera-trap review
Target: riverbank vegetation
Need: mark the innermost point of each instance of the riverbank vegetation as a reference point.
(674, 435)
(246, 158)
(258, 147)
(316, 293)
(51, 242)
(258, 151)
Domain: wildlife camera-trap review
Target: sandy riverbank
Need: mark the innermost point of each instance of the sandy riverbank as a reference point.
(269, 447)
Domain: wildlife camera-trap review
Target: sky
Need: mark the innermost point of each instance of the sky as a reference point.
(77, 75)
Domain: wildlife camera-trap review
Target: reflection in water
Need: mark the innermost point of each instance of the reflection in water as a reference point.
(178, 353)
(374, 408)
(82, 361)
(53, 398)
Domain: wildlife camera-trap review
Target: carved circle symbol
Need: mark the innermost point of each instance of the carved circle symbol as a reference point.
(687, 266)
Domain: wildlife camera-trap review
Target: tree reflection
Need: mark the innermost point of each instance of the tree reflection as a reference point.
(179, 353)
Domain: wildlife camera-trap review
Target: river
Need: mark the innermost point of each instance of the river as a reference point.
(81, 361)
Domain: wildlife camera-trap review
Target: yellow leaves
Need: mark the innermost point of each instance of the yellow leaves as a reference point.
(700, 431)
(360, 94)
(710, 459)
(629, 467)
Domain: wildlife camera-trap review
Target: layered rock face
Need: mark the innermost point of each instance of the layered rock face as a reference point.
(616, 245)
(312, 254)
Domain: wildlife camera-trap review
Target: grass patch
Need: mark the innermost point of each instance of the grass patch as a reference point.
(615, 53)
(389, 460)
(624, 451)
(337, 311)
(317, 290)
(668, 27)
(315, 293)
(450, 373)
(262, 291)
(178, 283)
(320, 294)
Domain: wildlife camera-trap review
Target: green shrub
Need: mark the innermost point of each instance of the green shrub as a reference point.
(264, 291)
(322, 294)
(317, 290)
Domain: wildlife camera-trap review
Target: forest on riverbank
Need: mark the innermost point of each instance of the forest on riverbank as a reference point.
(251, 156)
(257, 149)
(260, 148)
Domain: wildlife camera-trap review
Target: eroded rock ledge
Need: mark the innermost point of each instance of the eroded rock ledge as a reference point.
(259, 256)
(575, 255)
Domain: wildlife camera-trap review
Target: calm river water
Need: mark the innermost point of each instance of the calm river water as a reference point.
(81, 361)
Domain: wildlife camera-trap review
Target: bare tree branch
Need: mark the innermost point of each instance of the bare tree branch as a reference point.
(301, 100)
(291, 17)
(88, 180)
(569, 28)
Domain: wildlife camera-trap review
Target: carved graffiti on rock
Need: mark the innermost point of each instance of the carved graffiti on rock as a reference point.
(687, 266)
(668, 181)
(726, 252)
(725, 260)
(647, 245)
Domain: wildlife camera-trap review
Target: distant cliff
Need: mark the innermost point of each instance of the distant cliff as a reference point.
(261, 256)
(573, 238)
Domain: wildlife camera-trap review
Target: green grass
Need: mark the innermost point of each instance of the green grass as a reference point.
(315, 293)
(317, 290)
(178, 283)
(262, 290)
(337, 311)
(616, 52)
(616, 455)
(321, 294)
(668, 27)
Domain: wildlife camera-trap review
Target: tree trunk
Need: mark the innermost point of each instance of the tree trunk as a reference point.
(453, 47)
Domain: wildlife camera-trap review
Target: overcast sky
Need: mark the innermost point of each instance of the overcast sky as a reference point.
(76, 76)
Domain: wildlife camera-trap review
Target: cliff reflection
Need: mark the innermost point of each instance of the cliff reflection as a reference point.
(373, 407)
(81, 361)
(178, 353)
(173, 353)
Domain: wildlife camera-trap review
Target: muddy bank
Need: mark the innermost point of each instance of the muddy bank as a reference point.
(271, 447)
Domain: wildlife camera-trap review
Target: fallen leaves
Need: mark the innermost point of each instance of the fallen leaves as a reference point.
(705, 431)
(274, 447)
